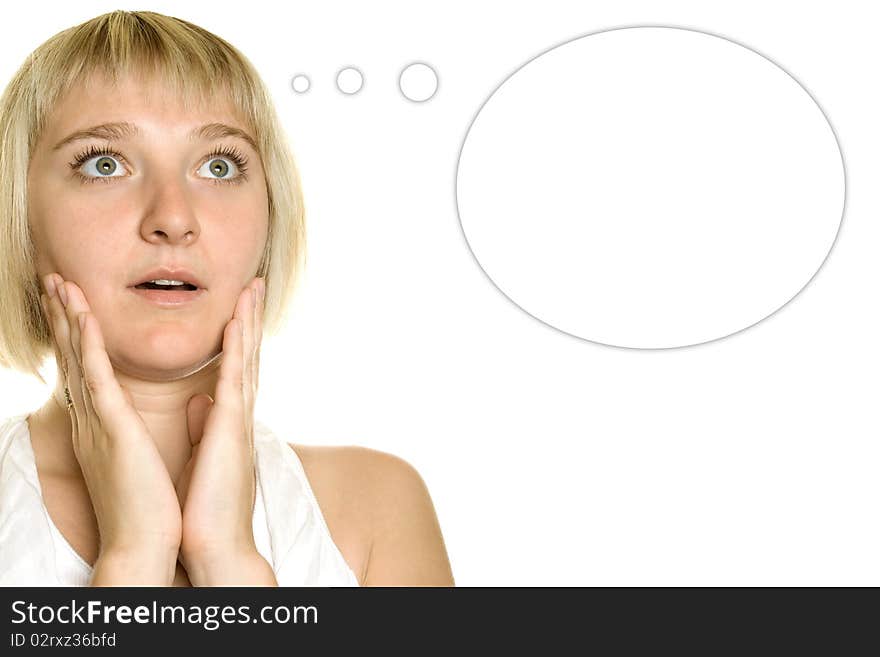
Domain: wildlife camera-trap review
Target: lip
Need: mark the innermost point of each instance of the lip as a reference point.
(169, 298)
(169, 274)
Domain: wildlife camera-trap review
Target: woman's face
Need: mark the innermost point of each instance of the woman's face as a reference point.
(158, 198)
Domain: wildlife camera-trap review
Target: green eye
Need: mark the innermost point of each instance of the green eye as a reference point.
(219, 167)
(97, 165)
(106, 165)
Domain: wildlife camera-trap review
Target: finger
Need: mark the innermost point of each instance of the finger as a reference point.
(244, 312)
(62, 322)
(251, 344)
(251, 356)
(87, 420)
(59, 358)
(76, 307)
(258, 335)
(76, 303)
(62, 291)
(45, 298)
(60, 332)
(51, 293)
(72, 379)
(47, 314)
(229, 397)
(106, 395)
(94, 417)
(255, 290)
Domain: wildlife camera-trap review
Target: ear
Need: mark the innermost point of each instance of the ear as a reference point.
(197, 409)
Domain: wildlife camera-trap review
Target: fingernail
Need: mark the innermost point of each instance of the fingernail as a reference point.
(49, 284)
(82, 321)
(63, 294)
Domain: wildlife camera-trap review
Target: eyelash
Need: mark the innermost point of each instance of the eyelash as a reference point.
(232, 153)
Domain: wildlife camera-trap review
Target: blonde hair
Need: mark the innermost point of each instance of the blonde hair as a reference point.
(193, 63)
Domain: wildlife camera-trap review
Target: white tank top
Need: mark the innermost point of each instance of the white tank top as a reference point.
(289, 528)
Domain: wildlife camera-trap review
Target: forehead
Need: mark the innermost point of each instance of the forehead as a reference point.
(141, 100)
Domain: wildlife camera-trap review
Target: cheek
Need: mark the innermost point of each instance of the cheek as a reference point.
(87, 254)
(238, 246)
(74, 235)
(91, 259)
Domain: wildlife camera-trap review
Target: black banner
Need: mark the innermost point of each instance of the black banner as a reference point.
(540, 620)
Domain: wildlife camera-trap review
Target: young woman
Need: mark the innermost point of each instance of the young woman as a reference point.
(151, 222)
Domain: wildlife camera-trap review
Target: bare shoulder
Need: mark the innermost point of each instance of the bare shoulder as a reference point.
(379, 513)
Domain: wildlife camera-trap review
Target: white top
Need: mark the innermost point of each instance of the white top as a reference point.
(289, 528)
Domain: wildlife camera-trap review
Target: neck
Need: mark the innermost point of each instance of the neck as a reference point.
(161, 405)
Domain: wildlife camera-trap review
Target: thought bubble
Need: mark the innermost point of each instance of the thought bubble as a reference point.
(650, 187)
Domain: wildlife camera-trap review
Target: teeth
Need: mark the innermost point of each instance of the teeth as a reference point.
(165, 281)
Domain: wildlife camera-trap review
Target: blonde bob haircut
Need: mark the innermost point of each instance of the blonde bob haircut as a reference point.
(193, 63)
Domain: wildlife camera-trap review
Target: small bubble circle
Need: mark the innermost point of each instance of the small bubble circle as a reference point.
(300, 83)
(418, 82)
(349, 80)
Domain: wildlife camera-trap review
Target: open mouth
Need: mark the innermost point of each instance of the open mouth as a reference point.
(168, 292)
(171, 287)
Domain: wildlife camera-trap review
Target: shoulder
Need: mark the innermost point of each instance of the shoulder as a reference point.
(379, 513)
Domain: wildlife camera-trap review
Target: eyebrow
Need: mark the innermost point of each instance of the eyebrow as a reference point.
(122, 130)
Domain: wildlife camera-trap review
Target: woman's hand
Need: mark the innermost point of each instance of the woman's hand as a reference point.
(134, 500)
(217, 488)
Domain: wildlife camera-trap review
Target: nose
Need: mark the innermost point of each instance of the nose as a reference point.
(170, 218)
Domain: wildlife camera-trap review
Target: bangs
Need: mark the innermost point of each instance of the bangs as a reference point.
(175, 56)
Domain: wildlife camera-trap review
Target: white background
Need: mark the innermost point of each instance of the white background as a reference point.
(750, 460)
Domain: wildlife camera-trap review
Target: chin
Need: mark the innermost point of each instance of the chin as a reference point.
(161, 356)
(160, 371)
